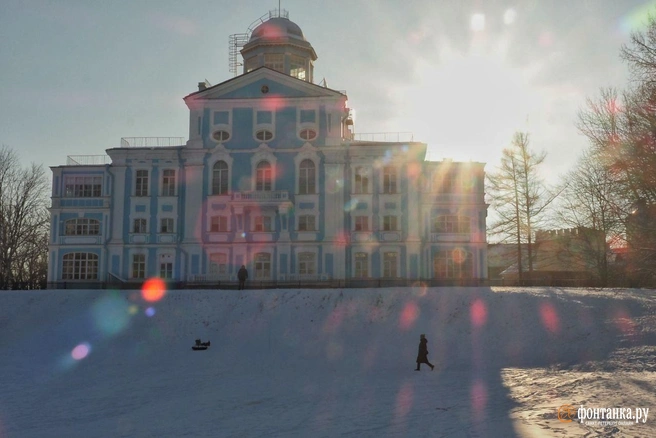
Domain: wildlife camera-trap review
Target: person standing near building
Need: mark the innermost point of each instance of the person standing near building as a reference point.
(422, 355)
(242, 275)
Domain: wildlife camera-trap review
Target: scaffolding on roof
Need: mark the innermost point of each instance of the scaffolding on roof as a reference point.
(237, 41)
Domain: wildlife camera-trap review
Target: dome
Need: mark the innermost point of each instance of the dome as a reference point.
(277, 28)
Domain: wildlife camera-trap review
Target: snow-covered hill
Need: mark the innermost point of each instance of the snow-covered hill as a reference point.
(323, 362)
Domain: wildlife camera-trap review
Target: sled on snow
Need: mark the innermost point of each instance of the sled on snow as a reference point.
(200, 345)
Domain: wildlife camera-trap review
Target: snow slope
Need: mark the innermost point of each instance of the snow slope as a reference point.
(287, 363)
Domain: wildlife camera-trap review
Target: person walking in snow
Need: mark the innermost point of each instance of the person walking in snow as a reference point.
(242, 275)
(422, 355)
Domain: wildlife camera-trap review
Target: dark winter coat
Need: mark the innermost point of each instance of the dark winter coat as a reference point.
(242, 275)
(422, 355)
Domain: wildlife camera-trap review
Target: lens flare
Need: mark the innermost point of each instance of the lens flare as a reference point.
(509, 16)
(409, 315)
(153, 289)
(111, 314)
(549, 317)
(477, 22)
(150, 312)
(81, 351)
(404, 401)
(478, 313)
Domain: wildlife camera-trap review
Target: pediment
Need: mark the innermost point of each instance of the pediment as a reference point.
(262, 83)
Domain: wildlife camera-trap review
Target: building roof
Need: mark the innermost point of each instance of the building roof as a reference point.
(277, 28)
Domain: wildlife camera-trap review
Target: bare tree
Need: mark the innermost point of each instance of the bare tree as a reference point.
(621, 128)
(519, 197)
(23, 222)
(589, 203)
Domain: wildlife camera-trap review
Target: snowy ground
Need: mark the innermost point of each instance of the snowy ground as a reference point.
(287, 363)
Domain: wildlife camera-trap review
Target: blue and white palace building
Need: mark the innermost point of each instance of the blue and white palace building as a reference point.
(273, 177)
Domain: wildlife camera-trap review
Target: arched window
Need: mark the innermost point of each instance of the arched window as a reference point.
(82, 227)
(456, 263)
(220, 178)
(263, 177)
(80, 266)
(307, 178)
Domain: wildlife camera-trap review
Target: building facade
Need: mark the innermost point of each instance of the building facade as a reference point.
(272, 177)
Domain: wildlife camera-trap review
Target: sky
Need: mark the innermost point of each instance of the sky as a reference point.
(286, 363)
(461, 76)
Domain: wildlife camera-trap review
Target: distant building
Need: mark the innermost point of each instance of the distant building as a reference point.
(567, 257)
(272, 176)
(641, 245)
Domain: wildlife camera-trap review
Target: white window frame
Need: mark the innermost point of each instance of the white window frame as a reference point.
(307, 177)
(263, 223)
(167, 225)
(390, 270)
(82, 227)
(80, 266)
(81, 186)
(306, 263)
(358, 261)
(138, 266)
(141, 189)
(142, 220)
(307, 222)
(166, 265)
(358, 222)
(390, 222)
(262, 266)
(218, 263)
(216, 222)
(363, 186)
(169, 188)
(390, 180)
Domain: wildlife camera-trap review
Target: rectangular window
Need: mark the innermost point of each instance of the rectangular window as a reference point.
(389, 264)
(362, 223)
(218, 264)
(138, 266)
(308, 116)
(219, 224)
(264, 118)
(263, 265)
(141, 183)
(221, 118)
(82, 227)
(274, 61)
(166, 270)
(361, 265)
(168, 182)
(451, 224)
(389, 179)
(306, 263)
(297, 67)
(166, 225)
(306, 223)
(263, 223)
(83, 186)
(80, 266)
(361, 181)
(139, 226)
(389, 223)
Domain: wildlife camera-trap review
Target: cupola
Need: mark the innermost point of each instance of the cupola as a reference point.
(279, 44)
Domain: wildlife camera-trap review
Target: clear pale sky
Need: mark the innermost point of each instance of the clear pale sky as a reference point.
(76, 76)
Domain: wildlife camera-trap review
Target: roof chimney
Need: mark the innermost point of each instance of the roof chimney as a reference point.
(202, 86)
